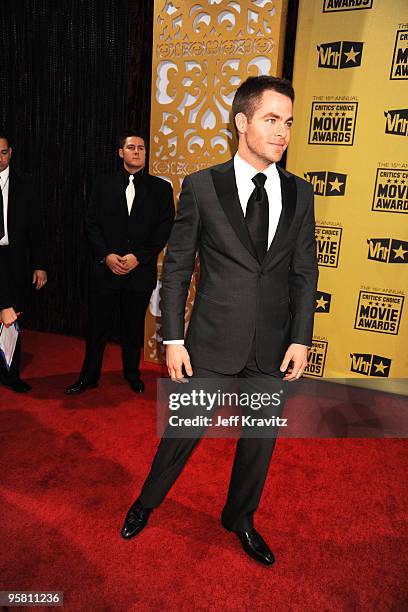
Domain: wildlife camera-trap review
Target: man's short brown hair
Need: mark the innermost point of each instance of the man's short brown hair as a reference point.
(250, 91)
(128, 134)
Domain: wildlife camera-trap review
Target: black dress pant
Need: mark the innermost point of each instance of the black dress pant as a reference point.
(249, 471)
(102, 307)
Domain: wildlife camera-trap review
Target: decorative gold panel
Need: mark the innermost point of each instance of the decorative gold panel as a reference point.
(202, 52)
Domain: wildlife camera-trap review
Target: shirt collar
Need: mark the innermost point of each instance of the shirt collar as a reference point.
(4, 175)
(246, 171)
(135, 174)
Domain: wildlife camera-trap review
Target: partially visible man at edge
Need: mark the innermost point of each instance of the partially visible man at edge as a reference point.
(21, 231)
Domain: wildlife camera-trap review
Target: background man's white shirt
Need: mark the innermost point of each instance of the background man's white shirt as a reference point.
(4, 184)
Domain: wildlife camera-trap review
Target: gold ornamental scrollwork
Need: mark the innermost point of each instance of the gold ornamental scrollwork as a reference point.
(202, 52)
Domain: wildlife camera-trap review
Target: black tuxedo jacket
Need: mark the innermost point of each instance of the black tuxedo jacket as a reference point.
(26, 241)
(238, 297)
(144, 232)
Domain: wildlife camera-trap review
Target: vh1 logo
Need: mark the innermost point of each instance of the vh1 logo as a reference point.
(340, 54)
(327, 183)
(370, 365)
(396, 122)
(387, 250)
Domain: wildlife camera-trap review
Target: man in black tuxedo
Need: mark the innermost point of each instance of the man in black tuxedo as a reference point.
(128, 223)
(253, 226)
(21, 233)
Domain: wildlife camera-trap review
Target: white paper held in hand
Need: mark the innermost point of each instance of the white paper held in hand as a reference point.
(8, 341)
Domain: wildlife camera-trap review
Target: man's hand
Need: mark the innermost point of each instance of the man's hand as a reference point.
(39, 278)
(130, 261)
(115, 264)
(177, 357)
(295, 361)
(8, 316)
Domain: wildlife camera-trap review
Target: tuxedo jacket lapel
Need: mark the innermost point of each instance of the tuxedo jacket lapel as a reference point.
(14, 213)
(226, 189)
(289, 194)
(140, 193)
(120, 187)
(116, 187)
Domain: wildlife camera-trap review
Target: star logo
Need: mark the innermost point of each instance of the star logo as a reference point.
(351, 55)
(399, 253)
(335, 185)
(380, 367)
(323, 301)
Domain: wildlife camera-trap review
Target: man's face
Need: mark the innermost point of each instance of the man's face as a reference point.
(133, 154)
(5, 154)
(263, 139)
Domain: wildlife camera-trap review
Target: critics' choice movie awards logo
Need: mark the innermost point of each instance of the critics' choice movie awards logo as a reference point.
(328, 240)
(316, 358)
(327, 183)
(391, 191)
(370, 365)
(388, 250)
(323, 301)
(333, 6)
(379, 312)
(399, 66)
(333, 123)
(340, 54)
(396, 122)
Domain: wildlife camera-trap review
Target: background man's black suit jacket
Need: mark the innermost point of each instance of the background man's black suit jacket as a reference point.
(144, 232)
(237, 296)
(26, 238)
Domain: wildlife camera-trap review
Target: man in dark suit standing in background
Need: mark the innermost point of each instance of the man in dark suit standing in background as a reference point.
(128, 223)
(253, 225)
(21, 233)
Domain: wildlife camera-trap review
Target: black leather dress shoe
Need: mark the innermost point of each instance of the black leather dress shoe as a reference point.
(19, 386)
(255, 546)
(137, 385)
(79, 387)
(136, 519)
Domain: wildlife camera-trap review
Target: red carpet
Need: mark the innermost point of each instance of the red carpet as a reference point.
(333, 511)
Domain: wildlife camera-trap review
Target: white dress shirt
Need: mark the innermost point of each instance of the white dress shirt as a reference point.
(4, 184)
(244, 174)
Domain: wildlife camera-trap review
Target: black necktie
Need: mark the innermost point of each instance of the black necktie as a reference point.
(2, 232)
(257, 216)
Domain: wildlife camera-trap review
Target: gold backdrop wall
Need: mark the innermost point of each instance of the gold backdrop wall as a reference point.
(350, 141)
(202, 51)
